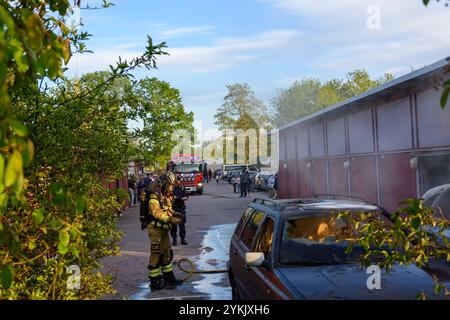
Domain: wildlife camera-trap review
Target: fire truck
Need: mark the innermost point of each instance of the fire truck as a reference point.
(189, 173)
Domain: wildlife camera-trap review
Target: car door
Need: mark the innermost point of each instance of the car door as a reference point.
(244, 245)
(262, 287)
(235, 262)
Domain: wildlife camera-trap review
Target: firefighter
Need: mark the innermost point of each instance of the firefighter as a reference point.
(179, 205)
(158, 220)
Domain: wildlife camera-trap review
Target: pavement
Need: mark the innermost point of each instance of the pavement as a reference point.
(211, 219)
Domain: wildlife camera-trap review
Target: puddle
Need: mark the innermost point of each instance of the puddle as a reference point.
(215, 285)
(213, 256)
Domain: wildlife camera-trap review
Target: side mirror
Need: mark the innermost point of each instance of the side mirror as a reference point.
(256, 259)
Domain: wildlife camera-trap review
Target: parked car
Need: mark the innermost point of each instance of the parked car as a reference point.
(261, 180)
(232, 174)
(438, 199)
(271, 181)
(296, 249)
(251, 186)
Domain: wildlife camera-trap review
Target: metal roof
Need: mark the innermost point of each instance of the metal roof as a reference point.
(418, 80)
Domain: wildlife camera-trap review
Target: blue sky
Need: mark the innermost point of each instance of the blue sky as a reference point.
(267, 43)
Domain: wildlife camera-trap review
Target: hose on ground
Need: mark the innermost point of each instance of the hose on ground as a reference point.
(193, 271)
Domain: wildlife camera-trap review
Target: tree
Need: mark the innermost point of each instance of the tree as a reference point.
(158, 105)
(242, 110)
(310, 95)
(58, 212)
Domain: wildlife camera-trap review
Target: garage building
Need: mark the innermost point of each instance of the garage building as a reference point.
(385, 145)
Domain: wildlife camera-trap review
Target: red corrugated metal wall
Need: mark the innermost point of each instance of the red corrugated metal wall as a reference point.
(398, 180)
(338, 176)
(293, 185)
(378, 141)
(283, 181)
(319, 177)
(304, 176)
(363, 179)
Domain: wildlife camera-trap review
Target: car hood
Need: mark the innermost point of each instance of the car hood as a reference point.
(350, 282)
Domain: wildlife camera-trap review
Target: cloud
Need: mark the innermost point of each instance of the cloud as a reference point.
(186, 32)
(410, 34)
(100, 60)
(222, 53)
(226, 53)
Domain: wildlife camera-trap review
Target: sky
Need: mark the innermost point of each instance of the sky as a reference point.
(266, 43)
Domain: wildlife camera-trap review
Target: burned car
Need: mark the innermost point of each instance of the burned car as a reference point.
(297, 249)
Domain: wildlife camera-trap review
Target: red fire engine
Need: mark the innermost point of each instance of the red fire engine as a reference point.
(189, 173)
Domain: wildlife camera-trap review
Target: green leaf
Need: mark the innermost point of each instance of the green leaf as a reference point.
(7, 277)
(57, 193)
(80, 205)
(38, 216)
(64, 237)
(75, 252)
(32, 245)
(2, 169)
(62, 249)
(28, 153)
(14, 168)
(415, 223)
(3, 202)
(35, 31)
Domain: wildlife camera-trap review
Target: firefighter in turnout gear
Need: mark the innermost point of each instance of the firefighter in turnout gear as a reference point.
(157, 216)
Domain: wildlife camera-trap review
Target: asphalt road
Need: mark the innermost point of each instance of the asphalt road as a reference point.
(211, 219)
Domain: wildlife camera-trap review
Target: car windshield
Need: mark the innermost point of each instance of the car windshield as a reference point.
(444, 206)
(187, 168)
(319, 239)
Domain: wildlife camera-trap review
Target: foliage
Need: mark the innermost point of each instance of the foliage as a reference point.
(241, 109)
(159, 107)
(310, 95)
(415, 236)
(55, 207)
(446, 83)
(426, 2)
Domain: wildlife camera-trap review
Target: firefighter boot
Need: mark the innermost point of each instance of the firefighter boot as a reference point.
(157, 283)
(170, 280)
(183, 242)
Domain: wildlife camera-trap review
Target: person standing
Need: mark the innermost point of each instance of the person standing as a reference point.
(234, 183)
(210, 174)
(275, 186)
(179, 205)
(217, 176)
(245, 179)
(131, 191)
(157, 216)
(205, 173)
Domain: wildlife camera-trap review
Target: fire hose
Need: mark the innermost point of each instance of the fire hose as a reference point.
(193, 271)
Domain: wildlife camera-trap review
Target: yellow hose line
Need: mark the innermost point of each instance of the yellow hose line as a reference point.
(193, 271)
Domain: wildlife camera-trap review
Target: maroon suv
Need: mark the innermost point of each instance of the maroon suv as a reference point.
(296, 249)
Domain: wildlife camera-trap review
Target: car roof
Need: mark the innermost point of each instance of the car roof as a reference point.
(435, 190)
(309, 206)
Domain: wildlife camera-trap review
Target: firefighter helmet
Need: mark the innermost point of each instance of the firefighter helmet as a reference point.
(170, 178)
